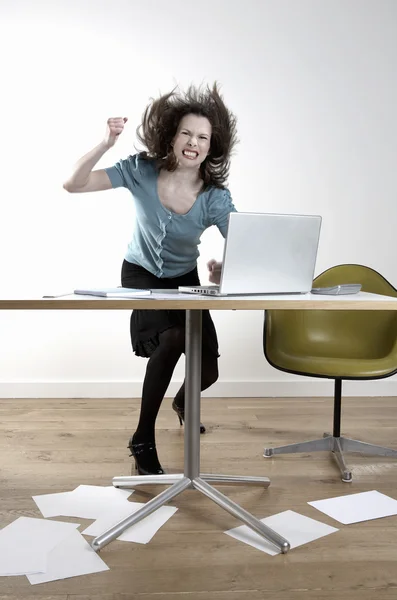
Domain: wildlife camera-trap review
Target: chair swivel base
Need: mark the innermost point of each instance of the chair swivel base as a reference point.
(337, 445)
(179, 483)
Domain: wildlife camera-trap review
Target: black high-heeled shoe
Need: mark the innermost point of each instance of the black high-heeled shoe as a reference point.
(146, 459)
(181, 416)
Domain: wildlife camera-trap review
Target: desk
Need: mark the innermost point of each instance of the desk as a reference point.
(191, 477)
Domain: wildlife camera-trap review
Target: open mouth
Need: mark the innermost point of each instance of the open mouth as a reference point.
(191, 154)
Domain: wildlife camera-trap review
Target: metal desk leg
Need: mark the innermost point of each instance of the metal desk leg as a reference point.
(191, 478)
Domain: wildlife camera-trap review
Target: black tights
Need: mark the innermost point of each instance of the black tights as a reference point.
(158, 375)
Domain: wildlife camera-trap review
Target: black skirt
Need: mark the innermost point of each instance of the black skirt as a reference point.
(146, 325)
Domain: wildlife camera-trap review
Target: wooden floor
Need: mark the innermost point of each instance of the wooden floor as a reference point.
(52, 446)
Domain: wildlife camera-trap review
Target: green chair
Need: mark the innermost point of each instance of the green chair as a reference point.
(336, 345)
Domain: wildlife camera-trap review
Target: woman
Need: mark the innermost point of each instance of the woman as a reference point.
(179, 190)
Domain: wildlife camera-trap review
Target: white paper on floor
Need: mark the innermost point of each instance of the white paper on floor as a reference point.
(141, 532)
(85, 502)
(25, 543)
(295, 528)
(355, 508)
(71, 558)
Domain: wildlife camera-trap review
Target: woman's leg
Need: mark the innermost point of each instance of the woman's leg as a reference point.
(158, 375)
(209, 375)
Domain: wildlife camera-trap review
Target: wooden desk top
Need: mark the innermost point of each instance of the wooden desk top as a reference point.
(360, 301)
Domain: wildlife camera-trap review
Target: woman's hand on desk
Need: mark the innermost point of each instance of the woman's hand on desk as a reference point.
(215, 270)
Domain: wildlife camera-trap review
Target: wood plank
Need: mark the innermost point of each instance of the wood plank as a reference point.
(54, 445)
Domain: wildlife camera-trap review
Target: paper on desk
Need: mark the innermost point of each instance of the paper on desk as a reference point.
(25, 543)
(117, 292)
(58, 295)
(70, 558)
(141, 532)
(292, 526)
(84, 502)
(355, 508)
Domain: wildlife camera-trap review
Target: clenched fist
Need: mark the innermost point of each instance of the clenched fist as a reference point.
(114, 128)
(215, 271)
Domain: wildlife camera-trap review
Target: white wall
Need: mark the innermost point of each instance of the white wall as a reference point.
(313, 83)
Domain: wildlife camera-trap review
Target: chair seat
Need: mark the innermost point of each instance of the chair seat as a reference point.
(324, 366)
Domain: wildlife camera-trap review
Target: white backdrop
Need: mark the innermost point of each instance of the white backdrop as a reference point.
(313, 84)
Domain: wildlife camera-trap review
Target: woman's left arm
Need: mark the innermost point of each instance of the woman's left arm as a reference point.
(220, 209)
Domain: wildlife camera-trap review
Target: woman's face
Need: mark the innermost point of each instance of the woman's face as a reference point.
(192, 140)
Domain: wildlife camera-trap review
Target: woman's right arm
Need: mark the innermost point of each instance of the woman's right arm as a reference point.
(83, 178)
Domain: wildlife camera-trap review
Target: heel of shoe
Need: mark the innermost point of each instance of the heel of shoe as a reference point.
(180, 412)
(131, 449)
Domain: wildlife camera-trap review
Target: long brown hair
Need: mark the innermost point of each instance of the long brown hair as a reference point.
(161, 119)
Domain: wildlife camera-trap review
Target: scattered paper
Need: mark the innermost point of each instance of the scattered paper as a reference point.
(355, 508)
(85, 502)
(105, 491)
(142, 532)
(295, 528)
(70, 558)
(25, 543)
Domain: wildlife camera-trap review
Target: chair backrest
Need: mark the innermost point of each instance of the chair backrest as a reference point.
(335, 334)
(371, 281)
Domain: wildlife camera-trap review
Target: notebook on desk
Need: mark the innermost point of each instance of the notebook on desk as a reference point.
(266, 254)
(119, 292)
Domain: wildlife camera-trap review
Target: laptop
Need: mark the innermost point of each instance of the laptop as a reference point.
(266, 254)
